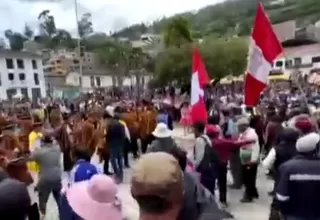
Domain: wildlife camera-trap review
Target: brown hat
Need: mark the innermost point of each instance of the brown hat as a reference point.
(23, 116)
(157, 174)
(5, 124)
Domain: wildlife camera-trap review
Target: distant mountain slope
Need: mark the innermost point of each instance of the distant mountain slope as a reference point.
(234, 17)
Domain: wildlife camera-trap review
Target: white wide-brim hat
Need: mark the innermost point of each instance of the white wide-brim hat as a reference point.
(162, 131)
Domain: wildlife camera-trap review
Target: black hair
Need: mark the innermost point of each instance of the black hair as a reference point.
(153, 204)
(80, 154)
(199, 126)
(65, 116)
(181, 157)
(106, 115)
(47, 139)
(214, 120)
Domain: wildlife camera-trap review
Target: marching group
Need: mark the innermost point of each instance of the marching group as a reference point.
(167, 182)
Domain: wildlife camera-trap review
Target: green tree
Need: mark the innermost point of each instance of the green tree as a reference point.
(28, 32)
(47, 23)
(85, 25)
(177, 32)
(221, 56)
(16, 40)
(173, 65)
(224, 56)
(114, 56)
(3, 44)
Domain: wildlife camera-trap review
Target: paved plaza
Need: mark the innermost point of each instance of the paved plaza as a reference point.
(255, 211)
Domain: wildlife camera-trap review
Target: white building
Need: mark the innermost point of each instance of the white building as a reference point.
(90, 82)
(303, 58)
(21, 75)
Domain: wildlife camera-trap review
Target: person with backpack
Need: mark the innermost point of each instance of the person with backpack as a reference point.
(224, 148)
(206, 158)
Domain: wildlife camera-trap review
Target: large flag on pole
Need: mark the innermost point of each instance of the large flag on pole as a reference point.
(264, 49)
(199, 79)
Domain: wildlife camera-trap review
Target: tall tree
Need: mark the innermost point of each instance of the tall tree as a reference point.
(16, 40)
(85, 25)
(3, 44)
(28, 32)
(177, 32)
(47, 23)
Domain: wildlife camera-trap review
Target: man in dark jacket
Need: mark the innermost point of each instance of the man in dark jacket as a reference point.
(116, 140)
(278, 155)
(299, 181)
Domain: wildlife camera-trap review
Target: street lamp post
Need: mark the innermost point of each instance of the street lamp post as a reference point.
(78, 42)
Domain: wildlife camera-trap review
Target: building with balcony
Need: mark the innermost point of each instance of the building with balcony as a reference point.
(21, 75)
(304, 58)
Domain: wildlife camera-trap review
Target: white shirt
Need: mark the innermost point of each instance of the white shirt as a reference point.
(251, 135)
(269, 160)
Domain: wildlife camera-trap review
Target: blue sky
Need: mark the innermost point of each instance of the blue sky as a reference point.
(107, 15)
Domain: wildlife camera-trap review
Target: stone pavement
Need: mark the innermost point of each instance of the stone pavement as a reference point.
(255, 211)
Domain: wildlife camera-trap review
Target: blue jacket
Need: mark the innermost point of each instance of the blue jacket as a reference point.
(299, 183)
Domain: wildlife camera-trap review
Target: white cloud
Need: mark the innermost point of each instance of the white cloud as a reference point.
(107, 15)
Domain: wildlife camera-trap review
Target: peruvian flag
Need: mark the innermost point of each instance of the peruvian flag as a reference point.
(199, 79)
(263, 50)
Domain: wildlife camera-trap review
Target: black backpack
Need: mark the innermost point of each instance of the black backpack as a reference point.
(210, 158)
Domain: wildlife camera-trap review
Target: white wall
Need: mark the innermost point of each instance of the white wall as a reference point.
(73, 79)
(29, 76)
(305, 59)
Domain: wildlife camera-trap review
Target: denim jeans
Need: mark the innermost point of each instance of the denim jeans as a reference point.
(116, 160)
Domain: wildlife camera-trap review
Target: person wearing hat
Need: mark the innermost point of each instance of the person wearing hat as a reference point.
(249, 156)
(298, 187)
(163, 140)
(224, 148)
(94, 199)
(158, 190)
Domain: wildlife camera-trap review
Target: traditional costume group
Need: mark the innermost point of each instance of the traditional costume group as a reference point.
(86, 131)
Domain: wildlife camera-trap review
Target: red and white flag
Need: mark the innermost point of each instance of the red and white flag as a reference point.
(199, 79)
(264, 49)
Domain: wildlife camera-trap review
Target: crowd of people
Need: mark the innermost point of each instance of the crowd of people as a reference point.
(167, 181)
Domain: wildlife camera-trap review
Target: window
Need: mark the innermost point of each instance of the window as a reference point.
(11, 76)
(20, 64)
(9, 63)
(34, 64)
(315, 59)
(58, 61)
(75, 61)
(289, 63)
(59, 72)
(22, 76)
(36, 79)
(279, 64)
(297, 61)
(92, 81)
(98, 81)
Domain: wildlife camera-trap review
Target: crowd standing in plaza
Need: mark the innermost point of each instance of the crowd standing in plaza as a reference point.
(168, 181)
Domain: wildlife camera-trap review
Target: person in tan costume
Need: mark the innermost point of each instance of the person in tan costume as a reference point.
(147, 125)
(60, 133)
(131, 118)
(10, 146)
